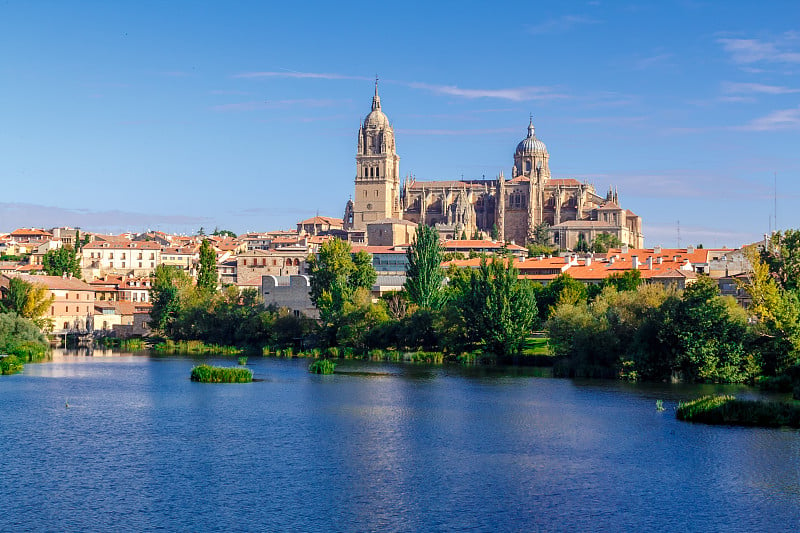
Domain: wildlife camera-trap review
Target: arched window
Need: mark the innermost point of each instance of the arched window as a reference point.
(377, 172)
(371, 172)
(527, 166)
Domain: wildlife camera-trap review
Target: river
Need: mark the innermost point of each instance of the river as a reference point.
(127, 442)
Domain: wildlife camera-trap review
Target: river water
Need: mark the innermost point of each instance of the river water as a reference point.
(382, 447)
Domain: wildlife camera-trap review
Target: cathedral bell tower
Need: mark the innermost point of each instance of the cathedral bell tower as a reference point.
(377, 194)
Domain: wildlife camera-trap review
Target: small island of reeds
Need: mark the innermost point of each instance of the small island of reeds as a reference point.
(221, 374)
(322, 366)
(728, 410)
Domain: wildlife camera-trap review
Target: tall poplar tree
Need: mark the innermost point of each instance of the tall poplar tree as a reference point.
(207, 271)
(424, 275)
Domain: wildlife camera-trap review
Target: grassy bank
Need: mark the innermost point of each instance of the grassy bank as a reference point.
(122, 344)
(221, 374)
(727, 410)
(322, 366)
(195, 347)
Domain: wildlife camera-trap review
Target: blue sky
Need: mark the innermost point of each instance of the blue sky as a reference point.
(119, 116)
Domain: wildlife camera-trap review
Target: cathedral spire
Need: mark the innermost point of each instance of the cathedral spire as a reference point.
(376, 100)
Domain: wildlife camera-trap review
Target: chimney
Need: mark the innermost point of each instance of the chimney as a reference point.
(625, 249)
(612, 259)
(660, 260)
(64, 275)
(690, 249)
(657, 250)
(635, 262)
(567, 259)
(650, 262)
(588, 260)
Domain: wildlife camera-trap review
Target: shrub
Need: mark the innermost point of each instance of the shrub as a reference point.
(322, 366)
(221, 374)
(242, 361)
(10, 364)
(333, 351)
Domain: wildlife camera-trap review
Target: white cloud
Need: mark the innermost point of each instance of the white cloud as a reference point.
(516, 94)
(748, 88)
(782, 119)
(457, 132)
(748, 51)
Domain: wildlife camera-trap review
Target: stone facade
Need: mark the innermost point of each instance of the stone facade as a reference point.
(291, 292)
(513, 207)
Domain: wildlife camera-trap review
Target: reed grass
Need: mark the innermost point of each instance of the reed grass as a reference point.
(242, 360)
(322, 366)
(221, 374)
(727, 410)
(195, 347)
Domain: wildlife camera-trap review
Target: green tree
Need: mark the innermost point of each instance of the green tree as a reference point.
(498, 308)
(495, 233)
(630, 280)
(563, 288)
(207, 269)
(536, 250)
(605, 241)
(424, 275)
(777, 314)
(581, 245)
(223, 233)
(62, 261)
(170, 290)
(541, 234)
(28, 300)
(335, 275)
(706, 334)
(782, 256)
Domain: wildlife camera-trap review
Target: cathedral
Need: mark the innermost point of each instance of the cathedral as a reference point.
(512, 209)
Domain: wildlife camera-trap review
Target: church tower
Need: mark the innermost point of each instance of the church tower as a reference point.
(531, 158)
(377, 194)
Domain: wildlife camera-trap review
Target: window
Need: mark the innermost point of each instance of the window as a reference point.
(377, 172)
(66, 310)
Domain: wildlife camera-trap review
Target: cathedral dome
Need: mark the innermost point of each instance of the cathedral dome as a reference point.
(531, 144)
(376, 117)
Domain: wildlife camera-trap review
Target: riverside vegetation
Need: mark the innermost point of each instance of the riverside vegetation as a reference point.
(619, 329)
(21, 326)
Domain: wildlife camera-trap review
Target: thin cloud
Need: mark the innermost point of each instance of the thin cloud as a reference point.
(782, 119)
(748, 51)
(301, 75)
(560, 24)
(515, 94)
(653, 61)
(758, 88)
(40, 216)
(275, 104)
(457, 132)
